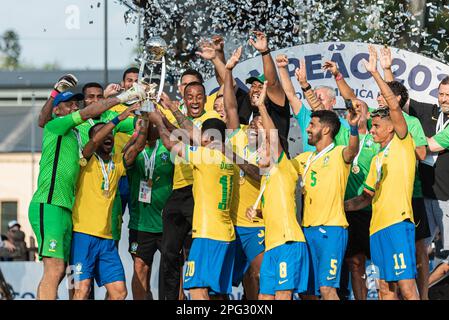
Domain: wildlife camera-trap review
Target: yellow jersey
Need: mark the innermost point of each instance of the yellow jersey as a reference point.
(279, 205)
(392, 202)
(120, 138)
(92, 211)
(212, 190)
(246, 189)
(324, 189)
(183, 175)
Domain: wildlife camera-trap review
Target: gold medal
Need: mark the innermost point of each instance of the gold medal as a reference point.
(106, 193)
(150, 183)
(355, 169)
(82, 162)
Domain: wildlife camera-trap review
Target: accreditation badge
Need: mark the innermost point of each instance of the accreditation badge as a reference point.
(144, 192)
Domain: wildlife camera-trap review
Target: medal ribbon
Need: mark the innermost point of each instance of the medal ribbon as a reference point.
(440, 123)
(105, 173)
(80, 143)
(356, 159)
(379, 162)
(150, 161)
(312, 159)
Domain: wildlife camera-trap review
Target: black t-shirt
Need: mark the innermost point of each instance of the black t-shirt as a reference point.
(279, 114)
(435, 180)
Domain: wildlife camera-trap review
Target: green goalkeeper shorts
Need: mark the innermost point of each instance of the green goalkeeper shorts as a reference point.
(52, 226)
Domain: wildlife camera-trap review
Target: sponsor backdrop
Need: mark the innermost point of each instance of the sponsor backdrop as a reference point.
(419, 74)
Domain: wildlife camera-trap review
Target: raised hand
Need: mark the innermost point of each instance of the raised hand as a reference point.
(234, 59)
(331, 66)
(167, 103)
(65, 83)
(127, 112)
(355, 113)
(301, 74)
(207, 51)
(112, 90)
(261, 43)
(385, 57)
(371, 65)
(281, 61)
(217, 42)
(263, 95)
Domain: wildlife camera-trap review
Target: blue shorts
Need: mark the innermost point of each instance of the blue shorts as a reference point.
(285, 267)
(250, 242)
(393, 252)
(94, 257)
(327, 246)
(210, 265)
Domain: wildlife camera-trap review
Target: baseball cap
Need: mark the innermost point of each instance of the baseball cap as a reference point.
(67, 96)
(260, 78)
(13, 223)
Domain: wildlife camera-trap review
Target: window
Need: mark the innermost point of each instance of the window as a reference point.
(8, 212)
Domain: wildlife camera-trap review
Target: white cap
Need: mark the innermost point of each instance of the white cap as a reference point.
(13, 223)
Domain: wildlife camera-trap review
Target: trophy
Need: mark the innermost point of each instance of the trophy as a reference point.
(152, 71)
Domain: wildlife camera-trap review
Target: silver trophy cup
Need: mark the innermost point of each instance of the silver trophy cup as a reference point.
(152, 71)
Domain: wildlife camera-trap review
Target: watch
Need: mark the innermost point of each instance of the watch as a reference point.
(306, 88)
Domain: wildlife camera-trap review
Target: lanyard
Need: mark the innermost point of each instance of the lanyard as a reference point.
(312, 159)
(80, 143)
(356, 159)
(249, 156)
(91, 122)
(105, 173)
(380, 160)
(440, 123)
(150, 161)
(262, 189)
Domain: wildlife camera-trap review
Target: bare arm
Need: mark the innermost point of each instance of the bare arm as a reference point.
(46, 111)
(345, 90)
(93, 143)
(274, 88)
(359, 202)
(230, 100)
(420, 152)
(131, 153)
(385, 62)
(350, 152)
(434, 146)
(172, 145)
(301, 76)
(400, 126)
(286, 83)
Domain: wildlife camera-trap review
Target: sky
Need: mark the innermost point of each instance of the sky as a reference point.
(70, 32)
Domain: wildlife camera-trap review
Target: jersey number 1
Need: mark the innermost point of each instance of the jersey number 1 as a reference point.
(226, 191)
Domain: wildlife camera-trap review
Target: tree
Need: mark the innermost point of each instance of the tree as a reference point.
(10, 47)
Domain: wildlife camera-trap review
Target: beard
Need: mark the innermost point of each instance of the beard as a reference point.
(445, 108)
(314, 139)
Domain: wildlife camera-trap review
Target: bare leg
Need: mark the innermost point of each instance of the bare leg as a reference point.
(252, 278)
(356, 265)
(438, 273)
(284, 295)
(329, 293)
(422, 264)
(387, 290)
(266, 297)
(54, 272)
(140, 283)
(116, 290)
(199, 294)
(408, 289)
(82, 290)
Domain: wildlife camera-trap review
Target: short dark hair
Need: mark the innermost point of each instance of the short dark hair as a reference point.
(91, 85)
(195, 83)
(444, 81)
(399, 90)
(383, 112)
(130, 70)
(328, 118)
(91, 130)
(193, 72)
(215, 124)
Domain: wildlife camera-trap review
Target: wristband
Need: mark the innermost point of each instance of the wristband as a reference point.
(354, 130)
(306, 88)
(54, 93)
(266, 52)
(115, 121)
(339, 76)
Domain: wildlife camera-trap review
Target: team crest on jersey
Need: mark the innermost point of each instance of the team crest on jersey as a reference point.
(52, 246)
(79, 268)
(134, 247)
(193, 148)
(326, 161)
(369, 143)
(164, 157)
